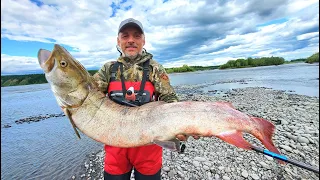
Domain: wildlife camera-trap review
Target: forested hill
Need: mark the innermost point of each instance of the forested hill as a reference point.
(266, 61)
(17, 80)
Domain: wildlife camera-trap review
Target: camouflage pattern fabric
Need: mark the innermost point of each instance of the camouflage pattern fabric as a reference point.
(133, 70)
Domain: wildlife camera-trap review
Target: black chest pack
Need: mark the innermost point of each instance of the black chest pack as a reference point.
(130, 93)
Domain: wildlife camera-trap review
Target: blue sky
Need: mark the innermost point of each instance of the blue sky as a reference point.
(177, 32)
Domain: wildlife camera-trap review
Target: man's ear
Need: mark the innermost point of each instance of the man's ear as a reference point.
(118, 41)
(144, 40)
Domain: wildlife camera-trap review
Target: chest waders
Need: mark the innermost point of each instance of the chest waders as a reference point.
(118, 91)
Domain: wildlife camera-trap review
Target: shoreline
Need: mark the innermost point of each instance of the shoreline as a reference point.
(15, 79)
(296, 118)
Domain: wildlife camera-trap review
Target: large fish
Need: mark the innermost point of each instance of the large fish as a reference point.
(105, 121)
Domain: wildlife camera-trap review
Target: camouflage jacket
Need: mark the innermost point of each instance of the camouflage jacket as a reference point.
(133, 70)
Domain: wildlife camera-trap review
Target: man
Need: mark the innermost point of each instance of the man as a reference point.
(133, 80)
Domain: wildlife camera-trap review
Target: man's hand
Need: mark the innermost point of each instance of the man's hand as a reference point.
(182, 137)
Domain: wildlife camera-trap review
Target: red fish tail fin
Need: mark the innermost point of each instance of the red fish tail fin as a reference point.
(235, 138)
(265, 134)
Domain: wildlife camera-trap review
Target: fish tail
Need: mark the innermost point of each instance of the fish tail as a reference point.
(265, 133)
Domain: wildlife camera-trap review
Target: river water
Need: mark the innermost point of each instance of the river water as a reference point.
(49, 149)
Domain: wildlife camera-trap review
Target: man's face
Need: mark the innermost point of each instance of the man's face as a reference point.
(131, 42)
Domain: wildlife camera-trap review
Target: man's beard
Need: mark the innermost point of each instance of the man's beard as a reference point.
(131, 57)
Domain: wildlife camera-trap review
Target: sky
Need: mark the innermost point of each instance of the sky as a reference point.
(177, 32)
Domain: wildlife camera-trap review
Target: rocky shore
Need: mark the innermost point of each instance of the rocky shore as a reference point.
(297, 136)
(32, 119)
(38, 118)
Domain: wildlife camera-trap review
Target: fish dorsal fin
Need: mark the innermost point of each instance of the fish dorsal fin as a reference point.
(226, 104)
(67, 112)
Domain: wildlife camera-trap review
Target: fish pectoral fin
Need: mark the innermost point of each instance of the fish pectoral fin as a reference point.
(67, 112)
(173, 145)
(235, 138)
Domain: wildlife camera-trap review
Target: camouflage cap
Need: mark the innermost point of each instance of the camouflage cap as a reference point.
(130, 22)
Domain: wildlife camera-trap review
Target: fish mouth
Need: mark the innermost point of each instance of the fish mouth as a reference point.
(46, 60)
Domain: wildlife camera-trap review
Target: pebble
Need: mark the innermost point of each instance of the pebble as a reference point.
(201, 159)
(269, 158)
(225, 178)
(287, 170)
(181, 174)
(227, 170)
(293, 146)
(284, 122)
(303, 140)
(207, 163)
(263, 164)
(302, 154)
(306, 148)
(287, 148)
(296, 151)
(292, 136)
(254, 176)
(171, 174)
(209, 175)
(196, 163)
(311, 140)
(254, 168)
(166, 168)
(299, 146)
(245, 173)
(7, 126)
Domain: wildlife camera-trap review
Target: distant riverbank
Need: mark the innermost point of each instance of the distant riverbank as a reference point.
(19, 80)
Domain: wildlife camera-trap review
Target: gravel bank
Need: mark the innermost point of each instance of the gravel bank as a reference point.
(297, 136)
(32, 119)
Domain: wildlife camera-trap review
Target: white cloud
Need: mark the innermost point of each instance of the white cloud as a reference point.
(177, 32)
(267, 53)
(18, 63)
(308, 35)
(295, 6)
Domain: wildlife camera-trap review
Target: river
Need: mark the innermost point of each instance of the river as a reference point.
(49, 149)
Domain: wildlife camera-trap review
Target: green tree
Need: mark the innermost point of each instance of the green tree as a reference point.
(250, 61)
(238, 64)
(313, 58)
(25, 81)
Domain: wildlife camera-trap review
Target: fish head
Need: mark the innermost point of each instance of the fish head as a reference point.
(69, 80)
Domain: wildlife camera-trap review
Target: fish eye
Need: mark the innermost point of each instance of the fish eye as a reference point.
(63, 63)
